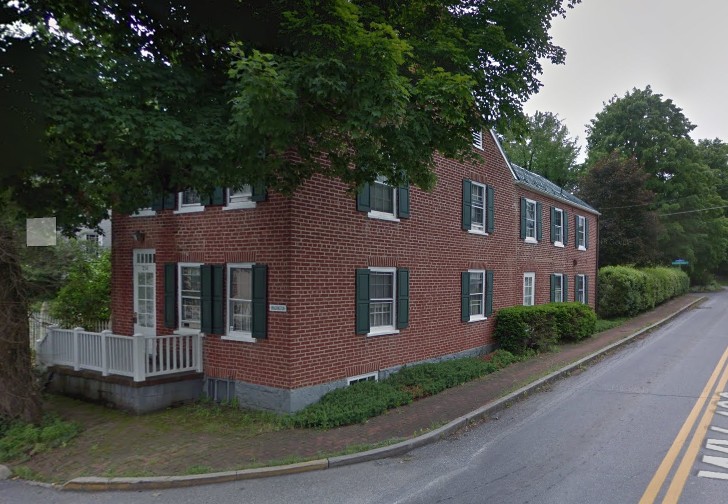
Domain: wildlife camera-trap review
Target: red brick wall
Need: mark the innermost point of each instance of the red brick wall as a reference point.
(314, 242)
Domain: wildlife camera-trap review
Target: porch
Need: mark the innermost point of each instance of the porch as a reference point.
(138, 373)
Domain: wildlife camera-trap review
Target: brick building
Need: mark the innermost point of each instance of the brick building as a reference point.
(301, 295)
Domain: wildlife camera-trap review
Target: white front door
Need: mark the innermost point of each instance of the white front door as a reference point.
(145, 307)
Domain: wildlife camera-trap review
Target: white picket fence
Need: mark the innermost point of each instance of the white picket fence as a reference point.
(139, 357)
(38, 322)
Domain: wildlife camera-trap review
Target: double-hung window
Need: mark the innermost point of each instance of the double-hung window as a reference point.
(239, 198)
(529, 289)
(478, 207)
(382, 300)
(581, 289)
(476, 295)
(559, 227)
(240, 300)
(190, 296)
(558, 288)
(582, 232)
(530, 220)
(383, 201)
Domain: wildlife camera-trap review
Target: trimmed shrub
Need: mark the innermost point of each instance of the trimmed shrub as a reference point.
(626, 291)
(574, 321)
(519, 329)
(431, 378)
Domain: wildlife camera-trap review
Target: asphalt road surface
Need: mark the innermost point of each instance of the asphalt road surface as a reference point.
(646, 424)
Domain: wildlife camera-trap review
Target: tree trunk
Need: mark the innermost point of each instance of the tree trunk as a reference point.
(19, 391)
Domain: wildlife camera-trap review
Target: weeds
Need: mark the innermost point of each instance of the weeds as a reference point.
(19, 441)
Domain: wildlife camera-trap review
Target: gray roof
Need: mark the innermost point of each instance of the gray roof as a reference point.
(544, 186)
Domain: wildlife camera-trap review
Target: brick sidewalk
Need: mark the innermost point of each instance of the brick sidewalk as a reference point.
(405, 422)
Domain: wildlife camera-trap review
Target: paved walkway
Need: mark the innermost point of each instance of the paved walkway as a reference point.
(411, 421)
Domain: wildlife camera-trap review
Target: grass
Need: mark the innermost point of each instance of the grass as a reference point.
(606, 324)
(19, 441)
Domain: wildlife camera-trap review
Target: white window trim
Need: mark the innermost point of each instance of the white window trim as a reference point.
(532, 276)
(376, 214)
(362, 377)
(382, 330)
(560, 243)
(180, 329)
(485, 210)
(582, 279)
(231, 335)
(581, 225)
(560, 276)
(144, 212)
(531, 239)
(237, 205)
(187, 208)
(479, 316)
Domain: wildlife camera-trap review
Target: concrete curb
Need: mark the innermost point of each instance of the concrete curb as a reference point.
(397, 449)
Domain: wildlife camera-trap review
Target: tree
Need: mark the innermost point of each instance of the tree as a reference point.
(628, 226)
(85, 299)
(655, 131)
(135, 99)
(546, 149)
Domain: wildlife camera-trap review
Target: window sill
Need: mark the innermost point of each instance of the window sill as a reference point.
(477, 232)
(186, 332)
(558, 244)
(531, 240)
(239, 206)
(383, 332)
(144, 213)
(236, 337)
(191, 209)
(382, 216)
(582, 248)
(477, 318)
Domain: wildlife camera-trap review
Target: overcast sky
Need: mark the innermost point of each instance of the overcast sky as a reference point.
(680, 48)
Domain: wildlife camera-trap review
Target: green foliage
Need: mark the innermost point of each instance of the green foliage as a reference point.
(627, 291)
(523, 329)
(606, 324)
(86, 296)
(683, 176)
(628, 226)
(349, 405)
(546, 149)
(19, 441)
(364, 400)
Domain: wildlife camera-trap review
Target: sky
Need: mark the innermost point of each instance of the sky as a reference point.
(679, 48)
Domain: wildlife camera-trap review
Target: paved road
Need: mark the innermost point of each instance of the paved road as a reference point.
(645, 424)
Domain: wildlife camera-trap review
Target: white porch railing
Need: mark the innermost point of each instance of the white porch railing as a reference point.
(139, 357)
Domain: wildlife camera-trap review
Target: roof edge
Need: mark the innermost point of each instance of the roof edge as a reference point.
(528, 186)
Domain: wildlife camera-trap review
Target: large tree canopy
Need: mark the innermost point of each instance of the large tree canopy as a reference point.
(156, 95)
(655, 132)
(545, 148)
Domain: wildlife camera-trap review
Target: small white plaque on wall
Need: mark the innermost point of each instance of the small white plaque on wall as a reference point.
(278, 308)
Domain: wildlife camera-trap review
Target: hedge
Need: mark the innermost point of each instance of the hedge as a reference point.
(520, 329)
(627, 291)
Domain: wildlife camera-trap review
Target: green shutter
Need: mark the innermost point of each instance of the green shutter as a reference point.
(576, 231)
(218, 196)
(364, 202)
(362, 301)
(586, 232)
(158, 203)
(564, 288)
(539, 233)
(553, 225)
(218, 299)
(170, 295)
(586, 289)
(577, 282)
(523, 218)
(260, 301)
(206, 298)
(565, 220)
(490, 217)
(467, 204)
(465, 296)
(205, 199)
(258, 191)
(169, 201)
(402, 298)
(488, 293)
(553, 287)
(403, 202)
